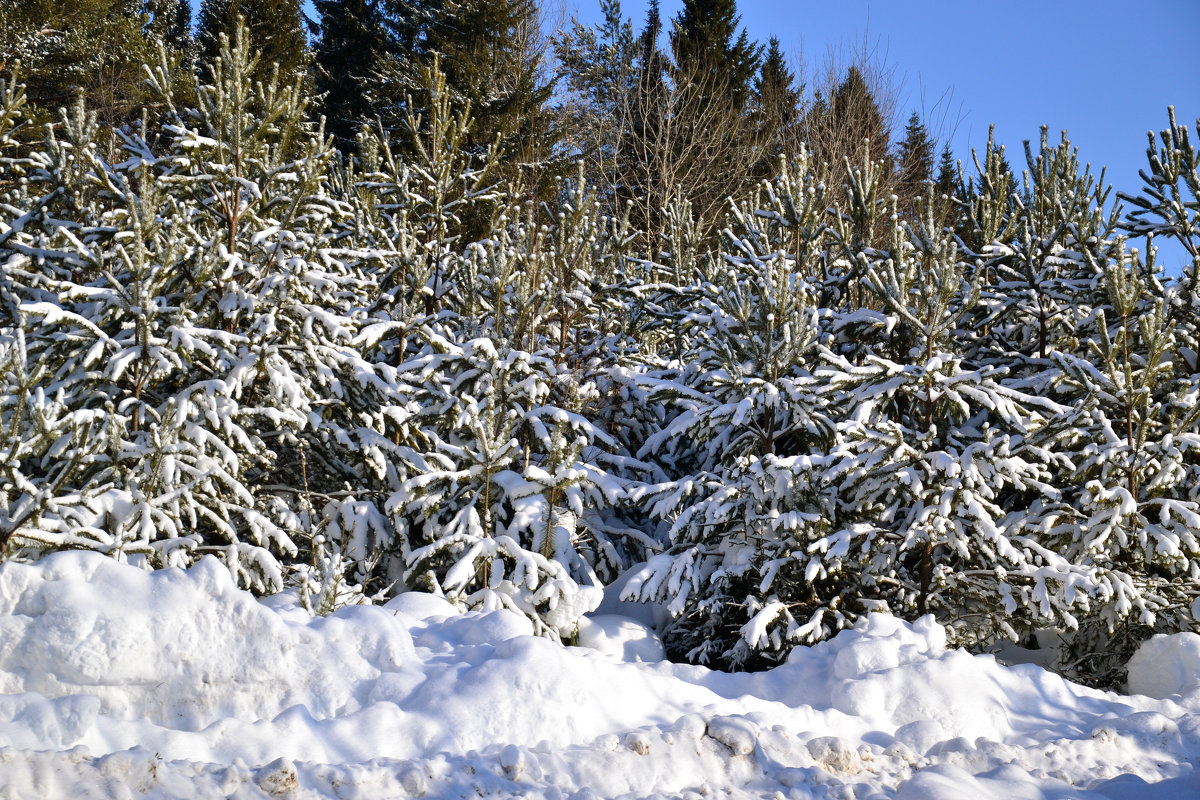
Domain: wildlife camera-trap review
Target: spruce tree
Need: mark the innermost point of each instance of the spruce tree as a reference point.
(276, 30)
(349, 53)
(914, 160)
(171, 23)
(946, 182)
(854, 108)
(838, 125)
(709, 50)
(485, 49)
(775, 108)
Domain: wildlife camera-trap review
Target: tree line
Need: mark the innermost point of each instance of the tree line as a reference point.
(688, 108)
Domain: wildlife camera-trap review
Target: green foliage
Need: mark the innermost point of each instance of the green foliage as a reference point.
(350, 49)
(275, 29)
(94, 48)
(709, 50)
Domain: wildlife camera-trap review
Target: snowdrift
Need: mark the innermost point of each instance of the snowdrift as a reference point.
(117, 682)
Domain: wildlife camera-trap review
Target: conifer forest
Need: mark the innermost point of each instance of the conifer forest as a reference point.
(427, 295)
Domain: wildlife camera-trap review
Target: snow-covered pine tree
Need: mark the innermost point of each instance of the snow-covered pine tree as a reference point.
(1133, 490)
(744, 447)
(934, 473)
(490, 514)
(1169, 203)
(509, 501)
(187, 301)
(1042, 283)
(1169, 207)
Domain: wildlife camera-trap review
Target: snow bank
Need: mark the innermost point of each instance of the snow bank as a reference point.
(119, 682)
(1166, 665)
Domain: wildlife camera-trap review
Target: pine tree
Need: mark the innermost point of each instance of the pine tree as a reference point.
(201, 348)
(937, 460)
(744, 447)
(600, 77)
(1130, 500)
(1169, 205)
(276, 30)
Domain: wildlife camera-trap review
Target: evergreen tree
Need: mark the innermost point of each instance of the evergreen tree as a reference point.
(171, 23)
(351, 47)
(488, 52)
(600, 78)
(854, 108)
(946, 182)
(775, 108)
(92, 47)
(276, 30)
(914, 160)
(837, 126)
(744, 448)
(709, 51)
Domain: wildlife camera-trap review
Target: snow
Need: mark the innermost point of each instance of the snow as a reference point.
(1166, 665)
(116, 682)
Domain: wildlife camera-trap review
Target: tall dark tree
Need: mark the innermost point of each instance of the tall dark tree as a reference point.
(351, 47)
(492, 55)
(170, 21)
(914, 160)
(846, 122)
(708, 48)
(775, 107)
(276, 28)
(855, 109)
(946, 182)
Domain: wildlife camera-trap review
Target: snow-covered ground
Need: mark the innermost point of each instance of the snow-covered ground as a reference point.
(120, 683)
